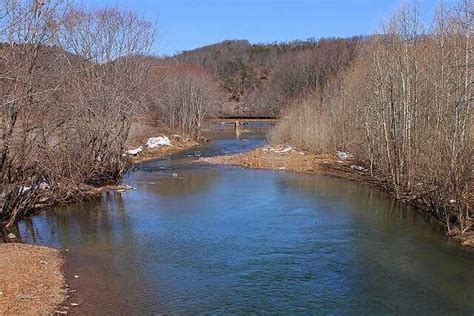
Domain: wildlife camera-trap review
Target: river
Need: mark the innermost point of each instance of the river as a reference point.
(196, 239)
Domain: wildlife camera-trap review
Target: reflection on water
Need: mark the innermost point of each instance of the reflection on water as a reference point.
(178, 184)
(205, 239)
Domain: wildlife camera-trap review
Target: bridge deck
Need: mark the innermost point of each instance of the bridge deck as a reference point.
(245, 119)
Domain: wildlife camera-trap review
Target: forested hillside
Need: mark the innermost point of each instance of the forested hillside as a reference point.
(259, 79)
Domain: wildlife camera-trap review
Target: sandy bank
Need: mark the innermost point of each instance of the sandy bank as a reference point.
(31, 281)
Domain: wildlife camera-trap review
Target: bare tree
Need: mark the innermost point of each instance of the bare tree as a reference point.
(187, 95)
(105, 85)
(26, 28)
(70, 85)
(404, 107)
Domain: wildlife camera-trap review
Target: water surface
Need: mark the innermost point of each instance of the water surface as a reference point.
(219, 240)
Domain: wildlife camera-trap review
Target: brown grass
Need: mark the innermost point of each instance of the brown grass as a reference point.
(296, 161)
(466, 239)
(31, 281)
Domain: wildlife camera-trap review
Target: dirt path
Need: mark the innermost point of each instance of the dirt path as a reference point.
(31, 280)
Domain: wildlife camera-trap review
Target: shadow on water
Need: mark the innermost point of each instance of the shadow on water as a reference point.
(205, 239)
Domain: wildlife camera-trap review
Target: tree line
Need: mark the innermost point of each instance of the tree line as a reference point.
(403, 108)
(70, 79)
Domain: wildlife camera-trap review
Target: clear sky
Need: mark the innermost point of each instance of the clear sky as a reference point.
(188, 24)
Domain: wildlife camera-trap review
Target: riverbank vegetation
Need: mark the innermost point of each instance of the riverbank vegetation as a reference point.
(69, 84)
(403, 107)
(182, 96)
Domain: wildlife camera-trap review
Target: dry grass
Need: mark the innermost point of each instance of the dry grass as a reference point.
(31, 280)
(466, 239)
(294, 160)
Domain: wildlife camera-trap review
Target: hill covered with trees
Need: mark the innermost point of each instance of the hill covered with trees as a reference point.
(259, 79)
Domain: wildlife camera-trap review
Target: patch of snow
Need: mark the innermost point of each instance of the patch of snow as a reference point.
(343, 155)
(269, 148)
(24, 189)
(284, 150)
(154, 142)
(358, 168)
(135, 151)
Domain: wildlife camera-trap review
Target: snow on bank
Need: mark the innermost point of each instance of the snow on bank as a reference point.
(278, 150)
(343, 155)
(135, 151)
(154, 142)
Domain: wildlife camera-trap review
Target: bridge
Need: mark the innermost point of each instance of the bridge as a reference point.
(243, 120)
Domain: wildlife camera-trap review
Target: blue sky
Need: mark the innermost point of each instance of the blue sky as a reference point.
(188, 24)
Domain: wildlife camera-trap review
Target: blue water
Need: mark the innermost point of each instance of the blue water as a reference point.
(227, 240)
